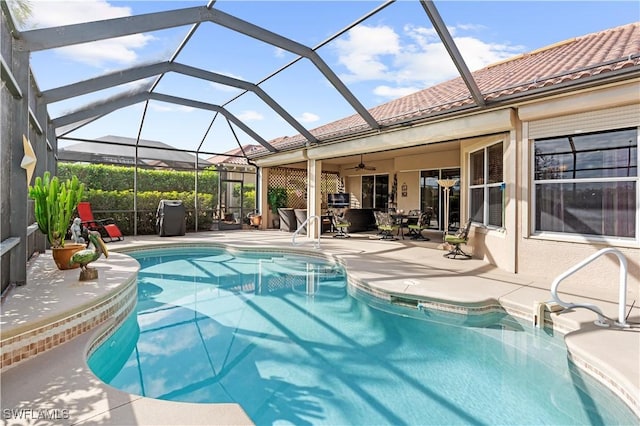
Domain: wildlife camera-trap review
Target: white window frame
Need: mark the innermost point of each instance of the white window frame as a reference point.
(576, 237)
(486, 186)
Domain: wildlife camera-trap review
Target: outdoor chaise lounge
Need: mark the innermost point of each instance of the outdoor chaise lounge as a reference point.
(108, 229)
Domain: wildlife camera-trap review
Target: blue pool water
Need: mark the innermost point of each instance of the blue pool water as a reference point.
(282, 336)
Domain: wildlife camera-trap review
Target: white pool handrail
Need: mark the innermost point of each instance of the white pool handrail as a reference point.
(622, 290)
(309, 219)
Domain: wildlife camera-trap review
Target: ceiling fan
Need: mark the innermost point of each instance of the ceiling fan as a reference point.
(361, 166)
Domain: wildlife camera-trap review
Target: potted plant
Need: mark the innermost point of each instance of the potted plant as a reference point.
(276, 198)
(54, 203)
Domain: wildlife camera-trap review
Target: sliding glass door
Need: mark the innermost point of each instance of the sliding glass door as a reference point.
(432, 196)
(375, 192)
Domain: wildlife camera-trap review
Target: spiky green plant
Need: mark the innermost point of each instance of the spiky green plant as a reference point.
(55, 202)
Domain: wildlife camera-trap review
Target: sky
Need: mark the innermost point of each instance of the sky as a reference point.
(391, 54)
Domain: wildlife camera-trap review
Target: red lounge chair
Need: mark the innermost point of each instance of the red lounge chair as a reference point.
(107, 227)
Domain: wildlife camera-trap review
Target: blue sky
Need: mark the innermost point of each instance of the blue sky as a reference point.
(393, 53)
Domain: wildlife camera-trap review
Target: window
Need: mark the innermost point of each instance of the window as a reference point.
(375, 192)
(587, 184)
(486, 186)
(432, 196)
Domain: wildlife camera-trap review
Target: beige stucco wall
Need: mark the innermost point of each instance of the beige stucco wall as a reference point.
(353, 186)
(512, 247)
(496, 246)
(547, 257)
(412, 199)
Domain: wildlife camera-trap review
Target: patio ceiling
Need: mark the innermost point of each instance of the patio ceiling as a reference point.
(115, 94)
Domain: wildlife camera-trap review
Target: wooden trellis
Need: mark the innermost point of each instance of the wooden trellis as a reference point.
(295, 182)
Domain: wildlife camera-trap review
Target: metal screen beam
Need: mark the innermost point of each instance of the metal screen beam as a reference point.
(67, 35)
(246, 28)
(132, 74)
(104, 81)
(7, 76)
(50, 38)
(241, 84)
(452, 49)
(217, 108)
(101, 108)
(65, 130)
(131, 99)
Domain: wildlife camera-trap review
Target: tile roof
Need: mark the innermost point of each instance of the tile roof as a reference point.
(120, 150)
(570, 61)
(228, 157)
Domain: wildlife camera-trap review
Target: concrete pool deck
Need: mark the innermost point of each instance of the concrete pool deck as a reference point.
(57, 382)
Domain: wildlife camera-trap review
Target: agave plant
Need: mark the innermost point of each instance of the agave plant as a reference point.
(55, 202)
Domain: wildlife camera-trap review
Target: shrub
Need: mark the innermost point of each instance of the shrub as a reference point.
(109, 189)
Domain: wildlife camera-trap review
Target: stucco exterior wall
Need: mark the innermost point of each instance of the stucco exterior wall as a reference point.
(412, 182)
(547, 257)
(511, 247)
(496, 246)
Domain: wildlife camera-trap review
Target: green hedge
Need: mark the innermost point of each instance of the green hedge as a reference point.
(120, 178)
(119, 206)
(109, 189)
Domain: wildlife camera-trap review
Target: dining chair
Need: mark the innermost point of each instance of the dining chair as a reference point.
(461, 237)
(386, 225)
(341, 226)
(415, 229)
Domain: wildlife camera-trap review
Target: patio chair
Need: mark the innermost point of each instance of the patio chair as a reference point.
(415, 229)
(341, 226)
(108, 229)
(460, 237)
(386, 225)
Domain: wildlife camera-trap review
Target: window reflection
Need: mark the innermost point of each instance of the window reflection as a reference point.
(598, 193)
(609, 154)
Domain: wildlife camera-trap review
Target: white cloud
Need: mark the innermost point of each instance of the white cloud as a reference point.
(308, 117)
(478, 54)
(120, 50)
(362, 51)
(412, 60)
(394, 92)
(471, 27)
(250, 116)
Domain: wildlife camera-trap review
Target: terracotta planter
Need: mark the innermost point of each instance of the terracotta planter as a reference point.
(62, 255)
(255, 220)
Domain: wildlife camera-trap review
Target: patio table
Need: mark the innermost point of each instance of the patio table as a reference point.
(402, 220)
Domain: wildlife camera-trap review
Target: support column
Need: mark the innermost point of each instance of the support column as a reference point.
(263, 207)
(18, 176)
(41, 150)
(314, 195)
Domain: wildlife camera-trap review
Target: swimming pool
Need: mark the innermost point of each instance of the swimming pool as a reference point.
(286, 338)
